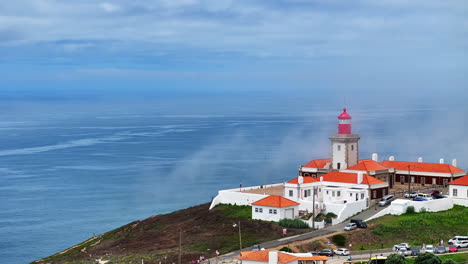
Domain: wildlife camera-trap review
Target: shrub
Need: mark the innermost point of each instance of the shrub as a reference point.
(423, 210)
(427, 258)
(395, 259)
(293, 223)
(339, 240)
(410, 209)
(286, 249)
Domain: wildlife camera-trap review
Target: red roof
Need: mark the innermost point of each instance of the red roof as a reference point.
(275, 201)
(367, 165)
(262, 255)
(320, 163)
(344, 115)
(421, 166)
(346, 177)
(460, 181)
(307, 179)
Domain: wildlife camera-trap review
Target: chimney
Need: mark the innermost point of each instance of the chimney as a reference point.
(300, 180)
(375, 157)
(273, 257)
(360, 177)
(441, 161)
(391, 158)
(420, 159)
(454, 162)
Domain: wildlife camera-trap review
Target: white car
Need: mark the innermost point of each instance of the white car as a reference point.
(429, 248)
(350, 226)
(342, 251)
(401, 245)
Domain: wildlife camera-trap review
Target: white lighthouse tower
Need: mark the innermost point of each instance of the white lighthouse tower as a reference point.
(344, 145)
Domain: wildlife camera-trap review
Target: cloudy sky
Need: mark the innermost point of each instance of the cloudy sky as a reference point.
(242, 44)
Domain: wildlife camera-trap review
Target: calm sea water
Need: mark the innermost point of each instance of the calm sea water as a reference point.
(72, 169)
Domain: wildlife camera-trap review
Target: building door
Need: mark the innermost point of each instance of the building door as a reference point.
(445, 183)
(402, 179)
(423, 181)
(289, 213)
(357, 195)
(434, 181)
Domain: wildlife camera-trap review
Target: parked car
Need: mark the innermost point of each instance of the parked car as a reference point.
(342, 251)
(326, 252)
(439, 250)
(255, 247)
(429, 248)
(459, 241)
(422, 197)
(401, 245)
(414, 251)
(387, 199)
(359, 223)
(434, 192)
(410, 195)
(314, 253)
(350, 226)
(404, 252)
(453, 248)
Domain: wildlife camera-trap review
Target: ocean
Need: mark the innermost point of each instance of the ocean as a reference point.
(72, 168)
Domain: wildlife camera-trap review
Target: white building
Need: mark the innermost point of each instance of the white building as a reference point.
(458, 190)
(274, 208)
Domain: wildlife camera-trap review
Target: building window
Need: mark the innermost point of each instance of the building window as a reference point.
(434, 182)
(455, 192)
(305, 193)
(412, 179)
(374, 194)
(362, 196)
(274, 211)
(350, 195)
(327, 192)
(333, 193)
(338, 193)
(339, 147)
(338, 165)
(290, 193)
(402, 179)
(352, 147)
(260, 210)
(423, 180)
(270, 211)
(308, 192)
(256, 210)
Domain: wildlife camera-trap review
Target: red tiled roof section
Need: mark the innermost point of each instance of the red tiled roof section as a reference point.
(320, 163)
(262, 256)
(367, 165)
(275, 201)
(307, 179)
(421, 166)
(345, 177)
(460, 181)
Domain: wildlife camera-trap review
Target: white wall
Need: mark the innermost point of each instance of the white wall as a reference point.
(318, 225)
(266, 216)
(237, 198)
(399, 206)
(462, 191)
(345, 211)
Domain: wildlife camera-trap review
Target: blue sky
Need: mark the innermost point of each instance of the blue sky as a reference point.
(224, 45)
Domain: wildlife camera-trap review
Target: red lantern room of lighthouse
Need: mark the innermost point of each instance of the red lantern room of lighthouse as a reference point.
(344, 123)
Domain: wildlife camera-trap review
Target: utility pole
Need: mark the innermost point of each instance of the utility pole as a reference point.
(409, 180)
(240, 238)
(313, 209)
(180, 246)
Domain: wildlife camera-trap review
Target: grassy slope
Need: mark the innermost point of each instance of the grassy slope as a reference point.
(152, 239)
(416, 228)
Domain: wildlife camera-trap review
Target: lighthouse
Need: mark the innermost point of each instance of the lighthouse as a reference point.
(344, 144)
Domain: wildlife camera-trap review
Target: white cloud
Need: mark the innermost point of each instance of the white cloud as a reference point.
(109, 8)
